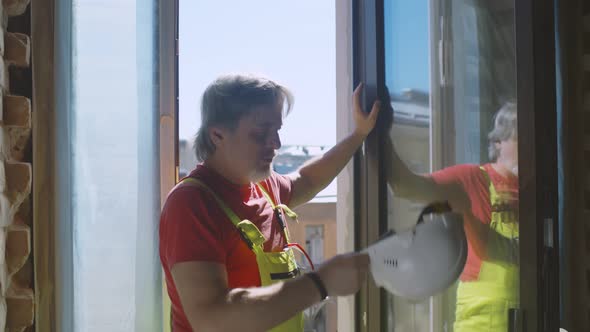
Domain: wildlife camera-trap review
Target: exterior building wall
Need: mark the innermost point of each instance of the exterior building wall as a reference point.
(318, 214)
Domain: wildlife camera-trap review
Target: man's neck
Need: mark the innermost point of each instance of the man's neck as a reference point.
(505, 169)
(222, 169)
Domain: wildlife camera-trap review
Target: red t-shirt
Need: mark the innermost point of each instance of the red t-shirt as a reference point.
(193, 227)
(474, 182)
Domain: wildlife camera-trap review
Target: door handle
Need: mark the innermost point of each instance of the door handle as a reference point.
(515, 320)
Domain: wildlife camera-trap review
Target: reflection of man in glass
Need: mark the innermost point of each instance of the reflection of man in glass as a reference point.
(487, 196)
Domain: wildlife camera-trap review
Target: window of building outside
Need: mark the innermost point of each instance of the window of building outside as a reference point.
(268, 38)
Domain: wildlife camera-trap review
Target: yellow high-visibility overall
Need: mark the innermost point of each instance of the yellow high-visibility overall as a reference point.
(272, 266)
(482, 304)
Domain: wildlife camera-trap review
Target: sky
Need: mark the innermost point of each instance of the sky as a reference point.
(292, 42)
(406, 45)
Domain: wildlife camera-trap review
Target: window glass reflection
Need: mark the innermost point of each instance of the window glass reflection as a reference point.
(451, 80)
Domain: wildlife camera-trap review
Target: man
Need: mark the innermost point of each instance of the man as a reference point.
(487, 196)
(224, 244)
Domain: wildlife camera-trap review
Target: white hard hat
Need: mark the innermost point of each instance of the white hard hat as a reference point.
(422, 261)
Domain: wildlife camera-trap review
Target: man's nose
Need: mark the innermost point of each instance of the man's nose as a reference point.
(275, 141)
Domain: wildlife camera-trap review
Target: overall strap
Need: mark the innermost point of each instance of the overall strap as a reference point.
(492, 190)
(277, 209)
(499, 220)
(226, 209)
(248, 231)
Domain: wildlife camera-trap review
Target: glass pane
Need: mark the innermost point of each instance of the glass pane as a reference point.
(115, 180)
(407, 78)
(450, 71)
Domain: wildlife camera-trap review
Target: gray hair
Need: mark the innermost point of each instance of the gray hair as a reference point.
(231, 97)
(505, 127)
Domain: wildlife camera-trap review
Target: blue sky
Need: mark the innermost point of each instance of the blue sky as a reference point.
(406, 45)
(288, 41)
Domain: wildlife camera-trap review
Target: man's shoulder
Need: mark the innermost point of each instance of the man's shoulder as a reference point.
(189, 186)
(184, 193)
(190, 206)
(279, 179)
(466, 167)
(280, 185)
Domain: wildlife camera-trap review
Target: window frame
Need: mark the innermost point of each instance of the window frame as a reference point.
(346, 214)
(169, 150)
(52, 35)
(537, 129)
(537, 153)
(371, 192)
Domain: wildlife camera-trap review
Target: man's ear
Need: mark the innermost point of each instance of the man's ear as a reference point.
(216, 135)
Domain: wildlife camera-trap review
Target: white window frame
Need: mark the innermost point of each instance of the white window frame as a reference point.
(345, 194)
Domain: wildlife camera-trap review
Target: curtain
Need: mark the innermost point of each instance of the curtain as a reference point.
(115, 166)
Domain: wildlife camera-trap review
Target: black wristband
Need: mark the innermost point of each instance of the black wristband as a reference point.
(319, 284)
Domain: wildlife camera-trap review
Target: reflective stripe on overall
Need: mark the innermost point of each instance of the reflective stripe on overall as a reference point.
(482, 304)
(272, 266)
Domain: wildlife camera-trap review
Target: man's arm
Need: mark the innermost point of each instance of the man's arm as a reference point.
(211, 306)
(410, 185)
(418, 187)
(407, 184)
(316, 174)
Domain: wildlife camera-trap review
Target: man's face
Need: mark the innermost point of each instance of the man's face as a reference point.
(508, 154)
(250, 148)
